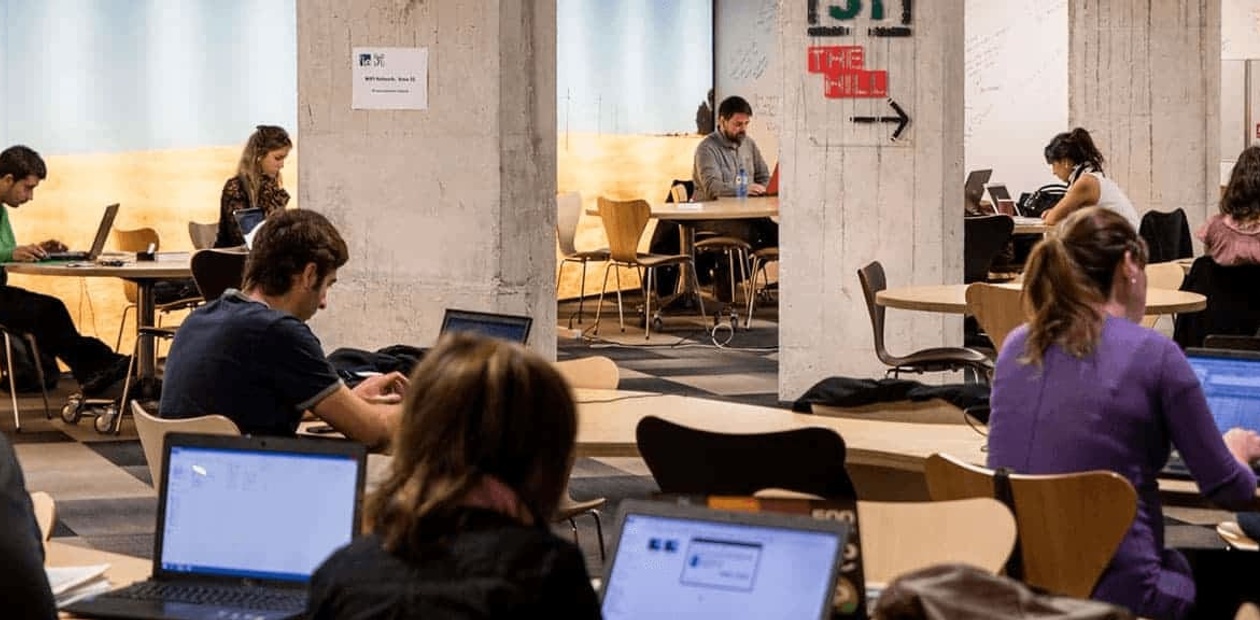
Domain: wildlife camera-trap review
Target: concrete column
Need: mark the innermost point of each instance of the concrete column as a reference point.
(1144, 80)
(453, 206)
(851, 194)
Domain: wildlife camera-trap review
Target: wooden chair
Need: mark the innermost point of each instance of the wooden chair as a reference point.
(760, 259)
(937, 359)
(694, 461)
(139, 240)
(1232, 534)
(216, 271)
(1162, 275)
(624, 222)
(600, 373)
(569, 211)
(1069, 524)
(679, 193)
(202, 235)
(45, 513)
(153, 429)
(983, 239)
(997, 309)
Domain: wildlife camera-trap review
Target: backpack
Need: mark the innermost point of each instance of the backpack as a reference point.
(25, 377)
(1042, 200)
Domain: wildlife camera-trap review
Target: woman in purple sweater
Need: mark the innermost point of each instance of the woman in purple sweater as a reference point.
(1083, 387)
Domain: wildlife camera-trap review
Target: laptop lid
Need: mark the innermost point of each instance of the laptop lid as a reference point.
(772, 188)
(257, 510)
(249, 220)
(1001, 198)
(675, 561)
(102, 232)
(973, 189)
(506, 326)
(1231, 383)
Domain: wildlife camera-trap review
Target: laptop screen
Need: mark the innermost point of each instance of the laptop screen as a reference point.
(1231, 383)
(973, 189)
(679, 567)
(259, 514)
(505, 326)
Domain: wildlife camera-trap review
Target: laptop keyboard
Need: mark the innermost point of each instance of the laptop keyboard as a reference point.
(259, 599)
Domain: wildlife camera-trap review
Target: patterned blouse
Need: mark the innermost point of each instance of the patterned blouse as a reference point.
(271, 198)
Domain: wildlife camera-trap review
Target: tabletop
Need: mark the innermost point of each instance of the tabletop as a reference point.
(952, 299)
(721, 209)
(168, 265)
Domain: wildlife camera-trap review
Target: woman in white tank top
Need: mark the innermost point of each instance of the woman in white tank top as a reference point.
(1074, 159)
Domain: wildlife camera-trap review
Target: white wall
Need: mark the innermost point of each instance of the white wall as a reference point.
(1240, 29)
(746, 56)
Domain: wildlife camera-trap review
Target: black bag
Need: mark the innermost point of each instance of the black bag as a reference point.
(25, 377)
(1042, 200)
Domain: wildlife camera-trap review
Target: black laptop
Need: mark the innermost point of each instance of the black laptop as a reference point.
(1231, 384)
(98, 244)
(506, 326)
(242, 524)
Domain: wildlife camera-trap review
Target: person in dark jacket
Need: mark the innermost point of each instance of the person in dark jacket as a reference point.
(459, 529)
(26, 592)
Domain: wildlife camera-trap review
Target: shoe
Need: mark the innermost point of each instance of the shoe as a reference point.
(105, 378)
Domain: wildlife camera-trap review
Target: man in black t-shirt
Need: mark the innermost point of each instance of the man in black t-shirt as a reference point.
(250, 356)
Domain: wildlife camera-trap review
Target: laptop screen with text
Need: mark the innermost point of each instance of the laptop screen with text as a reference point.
(1231, 383)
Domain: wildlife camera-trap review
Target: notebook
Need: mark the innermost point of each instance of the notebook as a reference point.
(98, 244)
(1231, 383)
(675, 561)
(505, 326)
(973, 189)
(772, 188)
(242, 519)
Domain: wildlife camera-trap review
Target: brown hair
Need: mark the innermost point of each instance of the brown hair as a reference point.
(476, 407)
(22, 162)
(286, 243)
(1241, 199)
(265, 139)
(1076, 146)
(1069, 274)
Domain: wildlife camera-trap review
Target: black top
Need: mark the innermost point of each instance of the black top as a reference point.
(25, 592)
(241, 358)
(493, 568)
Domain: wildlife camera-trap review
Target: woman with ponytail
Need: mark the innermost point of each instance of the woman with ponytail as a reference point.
(460, 527)
(1075, 160)
(1083, 386)
(257, 184)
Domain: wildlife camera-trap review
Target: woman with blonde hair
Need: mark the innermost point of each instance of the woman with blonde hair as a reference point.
(257, 184)
(459, 529)
(1083, 386)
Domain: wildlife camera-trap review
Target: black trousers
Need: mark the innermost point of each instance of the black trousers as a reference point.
(47, 319)
(1223, 580)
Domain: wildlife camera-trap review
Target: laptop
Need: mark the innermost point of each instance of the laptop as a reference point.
(1231, 383)
(98, 244)
(249, 220)
(1001, 199)
(973, 189)
(678, 561)
(506, 326)
(772, 188)
(242, 519)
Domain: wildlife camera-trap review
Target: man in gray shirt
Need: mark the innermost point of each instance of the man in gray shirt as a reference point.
(722, 153)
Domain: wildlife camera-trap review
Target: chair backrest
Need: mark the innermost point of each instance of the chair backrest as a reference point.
(694, 461)
(998, 310)
(153, 429)
(983, 238)
(1248, 611)
(900, 537)
(1069, 524)
(1167, 235)
(202, 235)
(45, 513)
(1233, 302)
(216, 271)
(568, 212)
(624, 222)
(1237, 343)
(596, 372)
(873, 281)
(137, 240)
(1166, 276)
(681, 195)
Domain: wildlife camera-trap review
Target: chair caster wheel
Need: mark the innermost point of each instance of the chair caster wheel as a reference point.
(104, 422)
(72, 412)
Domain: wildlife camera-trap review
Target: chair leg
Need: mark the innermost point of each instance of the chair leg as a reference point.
(599, 308)
(647, 305)
(122, 400)
(751, 292)
(599, 533)
(8, 367)
(573, 527)
(743, 272)
(122, 325)
(582, 292)
(39, 374)
(695, 280)
(621, 315)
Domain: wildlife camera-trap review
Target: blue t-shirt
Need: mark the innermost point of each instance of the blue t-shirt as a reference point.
(241, 358)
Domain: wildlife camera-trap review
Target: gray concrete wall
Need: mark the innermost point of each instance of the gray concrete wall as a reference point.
(453, 206)
(1144, 79)
(851, 196)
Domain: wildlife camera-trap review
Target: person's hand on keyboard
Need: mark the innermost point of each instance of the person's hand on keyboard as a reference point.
(28, 253)
(52, 246)
(1244, 444)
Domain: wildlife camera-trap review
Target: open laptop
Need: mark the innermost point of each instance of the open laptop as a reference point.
(973, 189)
(676, 561)
(249, 220)
(98, 244)
(772, 188)
(1001, 199)
(506, 326)
(242, 519)
(1231, 383)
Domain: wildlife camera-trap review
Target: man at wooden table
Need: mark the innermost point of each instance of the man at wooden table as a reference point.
(250, 355)
(94, 364)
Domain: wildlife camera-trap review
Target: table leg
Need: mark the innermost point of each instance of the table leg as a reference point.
(146, 352)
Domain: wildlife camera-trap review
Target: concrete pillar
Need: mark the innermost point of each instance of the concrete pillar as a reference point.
(453, 206)
(851, 194)
(1144, 79)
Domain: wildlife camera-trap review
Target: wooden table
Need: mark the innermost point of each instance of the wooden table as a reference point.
(123, 569)
(168, 266)
(952, 299)
(1031, 226)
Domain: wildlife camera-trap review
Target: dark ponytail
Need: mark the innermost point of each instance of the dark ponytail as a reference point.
(1076, 146)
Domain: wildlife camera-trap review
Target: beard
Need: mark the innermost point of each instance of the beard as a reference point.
(736, 138)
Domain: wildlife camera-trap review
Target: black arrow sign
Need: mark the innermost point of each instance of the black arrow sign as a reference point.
(902, 119)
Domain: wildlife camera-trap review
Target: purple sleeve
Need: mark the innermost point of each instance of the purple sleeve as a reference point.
(1221, 478)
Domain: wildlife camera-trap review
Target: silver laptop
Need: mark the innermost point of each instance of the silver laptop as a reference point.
(675, 561)
(973, 189)
(98, 244)
(1001, 199)
(242, 524)
(506, 326)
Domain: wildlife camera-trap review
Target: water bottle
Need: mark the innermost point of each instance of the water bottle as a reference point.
(741, 184)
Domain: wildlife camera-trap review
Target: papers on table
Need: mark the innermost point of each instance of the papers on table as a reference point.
(71, 583)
